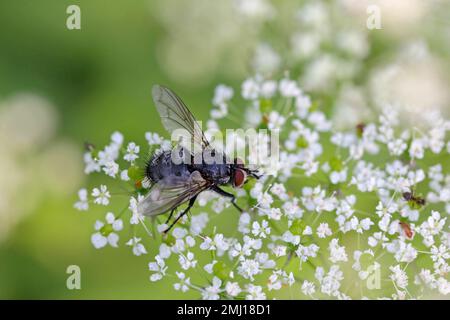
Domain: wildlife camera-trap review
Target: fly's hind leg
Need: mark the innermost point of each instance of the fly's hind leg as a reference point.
(170, 215)
(191, 203)
(228, 195)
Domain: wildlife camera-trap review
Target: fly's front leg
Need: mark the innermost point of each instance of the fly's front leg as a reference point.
(228, 195)
(191, 203)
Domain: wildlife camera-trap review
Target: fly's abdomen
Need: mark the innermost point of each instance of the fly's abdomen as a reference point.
(161, 166)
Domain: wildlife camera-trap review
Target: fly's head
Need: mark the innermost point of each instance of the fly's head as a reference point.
(239, 173)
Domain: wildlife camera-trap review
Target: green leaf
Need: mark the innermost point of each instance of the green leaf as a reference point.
(336, 164)
(221, 270)
(297, 227)
(134, 172)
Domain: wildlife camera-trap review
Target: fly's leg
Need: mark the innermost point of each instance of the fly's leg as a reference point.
(170, 215)
(228, 195)
(191, 203)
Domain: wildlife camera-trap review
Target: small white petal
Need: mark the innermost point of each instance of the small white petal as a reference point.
(98, 240)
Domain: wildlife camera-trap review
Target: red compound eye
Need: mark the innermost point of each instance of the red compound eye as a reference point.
(239, 178)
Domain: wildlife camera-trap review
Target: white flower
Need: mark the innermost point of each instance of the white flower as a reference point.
(274, 214)
(261, 230)
(319, 121)
(213, 292)
(302, 104)
(138, 247)
(159, 268)
(323, 230)
(255, 293)
(105, 232)
(331, 282)
(275, 280)
(416, 149)
(153, 138)
(363, 225)
(279, 250)
(399, 277)
(337, 252)
(111, 169)
(290, 238)
(184, 283)
(110, 153)
(305, 252)
(219, 243)
(426, 277)
(249, 268)
(268, 88)
(366, 178)
(443, 286)
(308, 288)
(250, 89)
(233, 289)
(101, 195)
(276, 120)
(198, 223)
(136, 216)
(82, 204)
(431, 227)
(288, 88)
(397, 147)
(117, 138)
(222, 94)
(279, 190)
(187, 261)
(124, 175)
(132, 152)
(338, 176)
(263, 259)
(164, 251)
(440, 255)
(209, 267)
(92, 164)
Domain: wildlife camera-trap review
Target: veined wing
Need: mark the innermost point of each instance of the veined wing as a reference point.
(169, 193)
(176, 115)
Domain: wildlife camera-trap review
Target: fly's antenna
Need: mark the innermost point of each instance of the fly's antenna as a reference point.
(253, 173)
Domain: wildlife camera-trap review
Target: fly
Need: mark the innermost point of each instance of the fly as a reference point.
(174, 183)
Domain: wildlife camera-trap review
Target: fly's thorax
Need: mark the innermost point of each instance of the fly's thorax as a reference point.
(219, 173)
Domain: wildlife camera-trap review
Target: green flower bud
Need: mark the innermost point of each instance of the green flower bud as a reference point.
(106, 230)
(265, 105)
(302, 143)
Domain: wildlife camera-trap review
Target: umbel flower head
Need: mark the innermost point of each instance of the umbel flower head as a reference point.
(349, 214)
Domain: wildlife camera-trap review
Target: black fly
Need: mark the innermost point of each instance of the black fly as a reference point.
(175, 183)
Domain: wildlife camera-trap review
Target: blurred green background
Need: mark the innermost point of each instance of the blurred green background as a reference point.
(96, 80)
(69, 86)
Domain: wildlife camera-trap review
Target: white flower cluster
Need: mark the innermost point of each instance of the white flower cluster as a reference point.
(356, 214)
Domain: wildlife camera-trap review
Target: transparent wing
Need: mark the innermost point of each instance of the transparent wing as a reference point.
(175, 115)
(169, 193)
